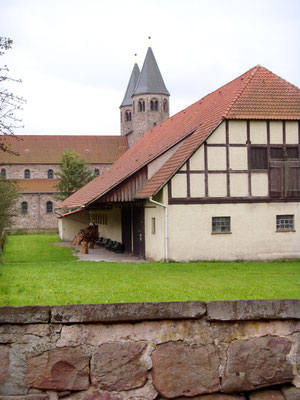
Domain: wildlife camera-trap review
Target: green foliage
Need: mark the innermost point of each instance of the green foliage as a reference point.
(28, 277)
(8, 198)
(9, 102)
(73, 174)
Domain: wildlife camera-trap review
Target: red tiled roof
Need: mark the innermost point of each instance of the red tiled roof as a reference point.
(36, 185)
(47, 149)
(240, 98)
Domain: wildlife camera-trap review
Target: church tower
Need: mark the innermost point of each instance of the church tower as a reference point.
(147, 99)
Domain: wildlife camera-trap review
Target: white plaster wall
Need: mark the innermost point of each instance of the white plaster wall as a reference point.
(253, 232)
(239, 185)
(237, 132)
(276, 132)
(219, 135)
(155, 243)
(179, 185)
(197, 160)
(216, 158)
(259, 184)
(238, 158)
(217, 185)
(291, 132)
(258, 132)
(70, 225)
(113, 229)
(197, 185)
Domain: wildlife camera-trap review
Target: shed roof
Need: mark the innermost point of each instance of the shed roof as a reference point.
(47, 149)
(239, 99)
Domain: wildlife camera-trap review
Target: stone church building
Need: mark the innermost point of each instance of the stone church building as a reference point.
(145, 104)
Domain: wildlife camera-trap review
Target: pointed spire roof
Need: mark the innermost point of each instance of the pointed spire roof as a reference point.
(150, 80)
(127, 101)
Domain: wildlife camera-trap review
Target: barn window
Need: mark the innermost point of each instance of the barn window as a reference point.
(27, 174)
(284, 223)
(24, 207)
(258, 158)
(3, 173)
(49, 207)
(220, 224)
(50, 174)
(153, 226)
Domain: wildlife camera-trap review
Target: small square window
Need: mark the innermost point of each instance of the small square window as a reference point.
(284, 223)
(153, 226)
(220, 224)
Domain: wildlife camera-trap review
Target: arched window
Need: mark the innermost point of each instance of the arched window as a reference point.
(96, 171)
(49, 207)
(27, 174)
(141, 105)
(154, 105)
(128, 115)
(3, 173)
(24, 207)
(50, 174)
(165, 105)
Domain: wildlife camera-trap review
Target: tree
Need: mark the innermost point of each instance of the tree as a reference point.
(9, 103)
(73, 174)
(8, 198)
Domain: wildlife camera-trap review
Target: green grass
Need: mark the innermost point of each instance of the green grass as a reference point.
(35, 271)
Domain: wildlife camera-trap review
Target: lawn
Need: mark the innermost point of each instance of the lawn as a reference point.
(36, 271)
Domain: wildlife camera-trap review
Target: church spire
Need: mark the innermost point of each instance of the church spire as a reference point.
(127, 101)
(150, 80)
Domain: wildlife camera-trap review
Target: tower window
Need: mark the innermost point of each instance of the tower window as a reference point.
(128, 116)
(165, 105)
(141, 105)
(49, 207)
(24, 207)
(154, 105)
(50, 174)
(3, 173)
(27, 174)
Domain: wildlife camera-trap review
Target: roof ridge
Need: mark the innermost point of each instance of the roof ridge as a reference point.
(239, 93)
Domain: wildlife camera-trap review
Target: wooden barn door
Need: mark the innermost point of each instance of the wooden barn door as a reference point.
(138, 232)
(126, 229)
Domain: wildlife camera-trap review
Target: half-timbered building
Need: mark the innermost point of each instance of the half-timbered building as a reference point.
(219, 180)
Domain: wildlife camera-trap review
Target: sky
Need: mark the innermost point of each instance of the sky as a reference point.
(75, 57)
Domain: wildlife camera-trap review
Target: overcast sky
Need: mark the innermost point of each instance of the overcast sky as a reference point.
(75, 57)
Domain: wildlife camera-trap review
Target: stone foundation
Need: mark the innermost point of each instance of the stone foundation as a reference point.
(212, 351)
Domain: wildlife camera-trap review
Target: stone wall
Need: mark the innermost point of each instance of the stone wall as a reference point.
(211, 351)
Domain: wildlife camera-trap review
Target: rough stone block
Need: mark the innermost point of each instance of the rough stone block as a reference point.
(117, 366)
(120, 312)
(4, 363)
(24, 315)
(266, 395)
(215, 396)
(35, 396)
(290, 393)
(256, 363)
(59, 369)
(96, 395)
(253, 309)
(180, 369)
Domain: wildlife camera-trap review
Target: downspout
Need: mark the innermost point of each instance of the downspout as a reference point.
(166, 226)
(39, 210)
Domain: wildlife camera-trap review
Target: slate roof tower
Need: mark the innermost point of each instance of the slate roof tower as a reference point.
(146, 101)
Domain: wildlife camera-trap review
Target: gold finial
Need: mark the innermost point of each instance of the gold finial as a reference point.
(149, 37)
(135, 58)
